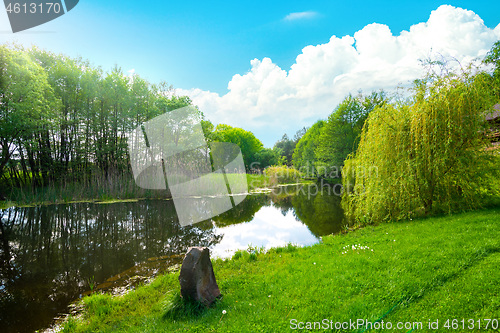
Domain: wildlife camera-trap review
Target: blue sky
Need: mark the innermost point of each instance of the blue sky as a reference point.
(202, 45)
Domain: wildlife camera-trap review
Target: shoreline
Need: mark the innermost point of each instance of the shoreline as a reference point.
(369, 271)
(5, 204)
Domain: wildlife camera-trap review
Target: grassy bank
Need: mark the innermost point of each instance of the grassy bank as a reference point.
(415, 271)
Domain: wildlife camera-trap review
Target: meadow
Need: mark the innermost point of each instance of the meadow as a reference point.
(411, 275)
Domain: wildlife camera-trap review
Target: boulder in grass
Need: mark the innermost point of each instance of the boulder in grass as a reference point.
(197, 277)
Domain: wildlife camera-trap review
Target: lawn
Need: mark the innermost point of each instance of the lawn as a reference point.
(421, 272)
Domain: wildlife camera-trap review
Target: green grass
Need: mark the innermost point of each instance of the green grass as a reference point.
(257, 181)
(430, 269)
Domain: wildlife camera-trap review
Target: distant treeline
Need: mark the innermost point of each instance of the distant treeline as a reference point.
(322, 149)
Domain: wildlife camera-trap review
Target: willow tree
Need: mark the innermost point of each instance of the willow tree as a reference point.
(425, 156)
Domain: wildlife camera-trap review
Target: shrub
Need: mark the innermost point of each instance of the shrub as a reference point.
(282, 175)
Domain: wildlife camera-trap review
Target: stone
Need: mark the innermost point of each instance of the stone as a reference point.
(197, 277)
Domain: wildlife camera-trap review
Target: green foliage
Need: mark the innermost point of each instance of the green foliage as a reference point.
(250, 146)
(283, 175)
(304, 158)
(340, 135)
(257, 181)
(286, 146)
(267, 157)
(424, 157)
(64, 121)
(208, 128)
(493, 57)
(28, 107)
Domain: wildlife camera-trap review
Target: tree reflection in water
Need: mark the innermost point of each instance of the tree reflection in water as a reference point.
(50, 255)
(316, 207)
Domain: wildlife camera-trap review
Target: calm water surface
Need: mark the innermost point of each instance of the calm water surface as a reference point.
(52, 255)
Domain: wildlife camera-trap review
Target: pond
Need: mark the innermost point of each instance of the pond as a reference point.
(52, 255)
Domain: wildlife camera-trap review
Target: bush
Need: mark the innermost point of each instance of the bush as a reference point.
(282, 175)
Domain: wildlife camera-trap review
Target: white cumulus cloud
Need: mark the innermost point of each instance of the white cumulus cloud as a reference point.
(270, 101)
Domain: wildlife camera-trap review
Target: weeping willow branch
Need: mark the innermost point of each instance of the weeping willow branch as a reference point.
(430, 154)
